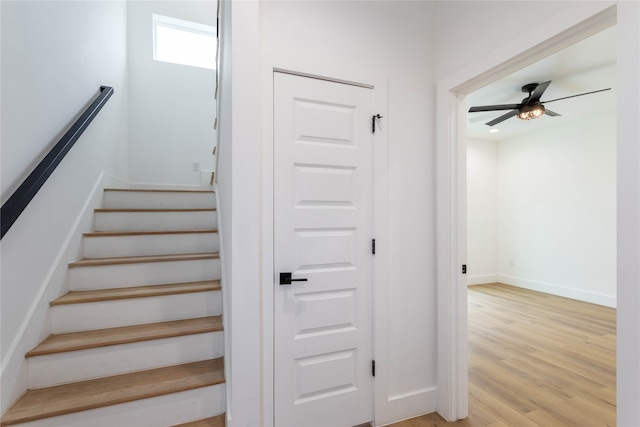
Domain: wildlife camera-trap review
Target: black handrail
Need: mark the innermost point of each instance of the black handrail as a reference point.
(20, 198)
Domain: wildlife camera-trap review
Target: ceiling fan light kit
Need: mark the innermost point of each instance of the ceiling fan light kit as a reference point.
(530, 108)
(530, 112)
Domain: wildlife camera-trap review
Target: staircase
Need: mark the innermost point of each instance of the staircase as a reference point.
(138, 339)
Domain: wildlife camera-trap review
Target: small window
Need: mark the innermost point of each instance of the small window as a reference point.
(184, 42)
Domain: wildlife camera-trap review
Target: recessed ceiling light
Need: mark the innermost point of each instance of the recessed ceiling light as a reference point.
(494, 130)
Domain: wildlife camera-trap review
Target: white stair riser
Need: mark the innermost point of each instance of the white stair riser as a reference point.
(141, 274)
(154, 221)
(62, 368)
(135, 311)
(158, 200)
(160, 411)
(155, 244)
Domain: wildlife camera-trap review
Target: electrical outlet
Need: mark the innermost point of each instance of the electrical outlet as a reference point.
(195, 166)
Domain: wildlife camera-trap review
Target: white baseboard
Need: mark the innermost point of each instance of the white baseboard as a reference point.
(111, 181)
(577, 294)
(482, 279)
(408, 405)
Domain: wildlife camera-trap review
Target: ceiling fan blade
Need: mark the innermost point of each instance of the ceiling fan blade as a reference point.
(502, 118)
(481, 117)
(537, 92)
(551, 113)
(573, 96)
(494, 107)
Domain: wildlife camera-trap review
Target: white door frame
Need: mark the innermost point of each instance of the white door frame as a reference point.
(573, 25)
(273, 61)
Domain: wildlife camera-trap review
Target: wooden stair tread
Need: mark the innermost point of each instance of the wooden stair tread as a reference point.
(125, 334)
(217, 421)
(92, 262)
(91, 394)
(147, 233)
(79, 297)
(151, 190)
(102, 210)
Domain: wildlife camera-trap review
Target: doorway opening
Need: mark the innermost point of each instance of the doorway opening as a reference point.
(541, 228)
(452, 295)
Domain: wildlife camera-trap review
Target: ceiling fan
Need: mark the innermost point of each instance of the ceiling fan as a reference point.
(530, 108)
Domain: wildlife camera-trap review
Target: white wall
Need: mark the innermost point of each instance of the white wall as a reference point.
(393, 40)
(472, 30)
(171, 106)
(553, 210)
(482, 205)
(389, 39)
(628, 245)
(237, 190)
(557, 210)
(223, 188)
(55, 56)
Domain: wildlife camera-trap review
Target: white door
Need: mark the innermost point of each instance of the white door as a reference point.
(323, 228)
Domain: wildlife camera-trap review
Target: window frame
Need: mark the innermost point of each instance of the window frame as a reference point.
(185, 26)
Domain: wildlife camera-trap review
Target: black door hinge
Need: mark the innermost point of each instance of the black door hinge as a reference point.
(373, 122)
(373, 368)
(464, 268)
(373, 246)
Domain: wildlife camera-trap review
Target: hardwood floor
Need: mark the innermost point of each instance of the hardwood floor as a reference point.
(536, 360)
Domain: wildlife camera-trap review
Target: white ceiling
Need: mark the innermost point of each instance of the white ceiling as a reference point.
(584, 67)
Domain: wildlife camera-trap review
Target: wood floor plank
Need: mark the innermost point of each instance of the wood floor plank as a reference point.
(80, 396)
(579, 365)
(79, 297)
(555, 375)
(125, 334)
(92, 262)
(486, 409)
(217, 421)
(604, 399)
(572, 412)
(536, 360)
(432, 420)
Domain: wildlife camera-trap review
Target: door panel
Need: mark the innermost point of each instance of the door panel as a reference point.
(323, 220)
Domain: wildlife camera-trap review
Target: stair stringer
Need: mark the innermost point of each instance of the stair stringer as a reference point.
(225, 309)
(36, 324)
